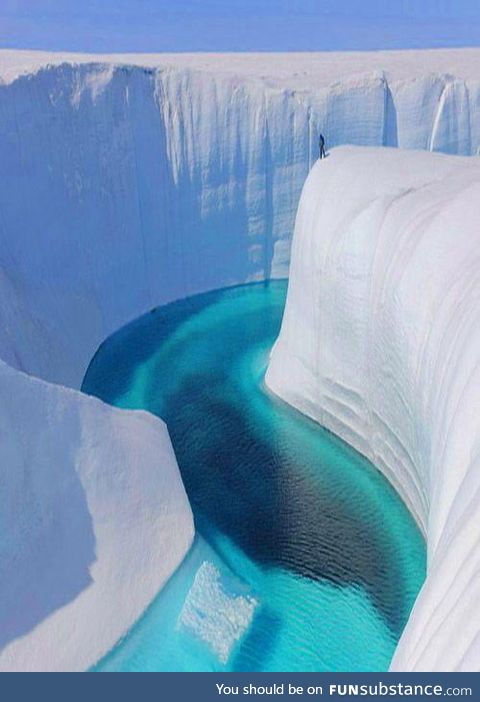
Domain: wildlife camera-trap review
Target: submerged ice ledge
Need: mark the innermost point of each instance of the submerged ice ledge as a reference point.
(380, 343)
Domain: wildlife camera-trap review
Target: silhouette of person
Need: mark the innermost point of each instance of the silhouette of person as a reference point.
(321, 144)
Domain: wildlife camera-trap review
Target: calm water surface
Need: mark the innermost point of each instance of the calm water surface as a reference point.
(305, 558)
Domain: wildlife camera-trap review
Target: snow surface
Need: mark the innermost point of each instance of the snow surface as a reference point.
(380, 343)
(130, 181)
(94, 520)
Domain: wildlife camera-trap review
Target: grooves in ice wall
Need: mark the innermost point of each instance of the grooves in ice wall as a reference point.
(123, 187)
(380, 343)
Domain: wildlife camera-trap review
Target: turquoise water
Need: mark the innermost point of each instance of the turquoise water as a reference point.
(305, 558)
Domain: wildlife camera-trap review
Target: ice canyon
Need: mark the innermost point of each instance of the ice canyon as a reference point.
(130, 181)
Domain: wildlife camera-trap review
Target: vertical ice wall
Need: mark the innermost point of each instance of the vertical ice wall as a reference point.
(124, 187)
(380, 343)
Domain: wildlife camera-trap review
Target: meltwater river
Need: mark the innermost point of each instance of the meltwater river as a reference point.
(305, 558)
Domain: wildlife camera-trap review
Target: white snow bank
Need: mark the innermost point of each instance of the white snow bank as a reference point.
(129, 181)
(94, 519)
(380, 343)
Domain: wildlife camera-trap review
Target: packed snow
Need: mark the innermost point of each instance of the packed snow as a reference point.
(380, 343)
(94, 521)
(130, 181)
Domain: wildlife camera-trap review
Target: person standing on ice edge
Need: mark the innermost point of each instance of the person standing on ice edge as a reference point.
(321, 145)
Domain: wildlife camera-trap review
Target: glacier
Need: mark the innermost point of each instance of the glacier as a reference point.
(129, 181)
(379, 343)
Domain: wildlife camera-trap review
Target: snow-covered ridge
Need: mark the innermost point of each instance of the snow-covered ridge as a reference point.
(380, 343)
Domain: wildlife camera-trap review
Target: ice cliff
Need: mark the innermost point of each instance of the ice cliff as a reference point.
(129, 181)
(380, 343)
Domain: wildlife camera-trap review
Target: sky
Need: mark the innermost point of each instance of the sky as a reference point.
(237, 25)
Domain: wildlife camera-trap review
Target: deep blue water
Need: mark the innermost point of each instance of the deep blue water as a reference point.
(305, 559)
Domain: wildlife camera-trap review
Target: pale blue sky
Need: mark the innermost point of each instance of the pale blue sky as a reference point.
(237, 25)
